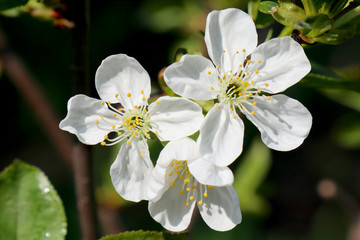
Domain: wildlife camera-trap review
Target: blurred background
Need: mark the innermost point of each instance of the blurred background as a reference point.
(312, 192)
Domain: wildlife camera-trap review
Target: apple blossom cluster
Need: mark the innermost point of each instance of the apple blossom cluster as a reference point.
(244, 80)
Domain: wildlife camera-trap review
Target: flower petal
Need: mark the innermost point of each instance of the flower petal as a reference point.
(283, 63)
(193, 77)
(130, 171)
(175, 118)
(231, 30)
(123, 75)
(221, 135)
(284, 122)
(220, 209)
(170, 210)
(83, 111)
(183, 149)
(207, 173)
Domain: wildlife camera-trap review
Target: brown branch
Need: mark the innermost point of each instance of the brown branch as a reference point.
(29, 89)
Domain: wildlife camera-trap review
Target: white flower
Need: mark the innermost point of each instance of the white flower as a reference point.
(241, 77)
(182, 179)
(122, 80)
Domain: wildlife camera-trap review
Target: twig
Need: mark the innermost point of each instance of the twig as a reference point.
(28, 88)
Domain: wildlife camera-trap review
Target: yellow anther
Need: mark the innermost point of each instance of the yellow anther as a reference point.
(193, 187)
(101, 116)
(249, 61)
(102, 103)
(176, 167)
(116, 95)
(247, 73)
(144, 110)
(231, 109)
(148, 117)
(237, 52)
(145, 130)
(143, 98)
(230, 72)
(219, 106)
(212, 88)
(210, 187)
(244, 50)
(109, 102)
(142, 154)
(113, 126)
(129, 142)
(142, 91)
(259, 61)
(209, 72)
(223, 51)
(181, 177)
(205, 194)
(156, 132)
(170, 174)
(240, 65)
(177, 172)
(252, 82)
(218, 66)
(103, 143)
(181, 192)
(242, 109)
(172, 183)
(97, 121)
(256, 71)
(106, 137)
(258, 91)
(250, 94)
(254, 103)
(268, 98)
(245, 97)
(234, 116)
(191, 198)
(158, 102)
(266, 84)
(238, 100)
(253, 112)
(119, 133)
(186, 204)
(200, 202)
(147, 135)
(115, 115)
(128, 94)
(136, 106)
(187, 189)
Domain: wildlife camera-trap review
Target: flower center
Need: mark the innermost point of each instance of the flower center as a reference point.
(125, 123)
(237, 86)
(179, 174)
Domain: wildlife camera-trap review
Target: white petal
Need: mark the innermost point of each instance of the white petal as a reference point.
(121, 74)
(190, 78)
(175, 118)
(221, 136)
(230, 30)
(283, 63)
(207, 173)
(83, 111)
(284, 122)
(170, 210)
(130, 172)
(183, 149)
(221, 210)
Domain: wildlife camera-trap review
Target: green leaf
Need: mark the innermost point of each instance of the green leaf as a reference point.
(253, 8)
(249, 175)
(315, 80)
(146, 235)
(289, 14)
(348, 19)
(268, 6)
(315, 25)
(7, 4)
(336, 36)
(30, 206)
